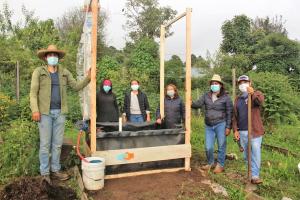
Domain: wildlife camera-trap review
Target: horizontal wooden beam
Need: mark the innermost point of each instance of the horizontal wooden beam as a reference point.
(175, 19)
(123, 175)
(147, 154)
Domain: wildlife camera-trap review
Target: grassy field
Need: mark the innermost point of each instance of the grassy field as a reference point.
(279, 171)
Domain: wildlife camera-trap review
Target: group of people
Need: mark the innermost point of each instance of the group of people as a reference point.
(221, 115)
(136, 105)
(48, 101)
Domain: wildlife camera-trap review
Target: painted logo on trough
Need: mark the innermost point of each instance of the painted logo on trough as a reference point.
(125, 156)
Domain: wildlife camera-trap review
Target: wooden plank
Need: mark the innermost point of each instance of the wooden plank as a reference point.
(162, 71)
(130, 174)
(188, 97)
(147, 154)
(175, 19)
(249, 136)
(93, 74)
(233, 83)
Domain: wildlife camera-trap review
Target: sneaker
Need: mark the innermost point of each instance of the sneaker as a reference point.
(219, 169)
(46, 178)
(256, 181)
(60, 176)
(206, 167)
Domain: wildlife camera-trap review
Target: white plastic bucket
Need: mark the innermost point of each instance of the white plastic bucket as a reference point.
(93, 173)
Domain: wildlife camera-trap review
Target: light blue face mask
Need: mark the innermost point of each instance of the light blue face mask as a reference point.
(106, 88)
(52, 60)
(135, 87)
(215, 88)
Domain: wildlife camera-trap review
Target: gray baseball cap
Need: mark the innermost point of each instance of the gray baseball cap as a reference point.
(244, 78)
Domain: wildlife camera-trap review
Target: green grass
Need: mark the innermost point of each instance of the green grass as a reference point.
(279, 172)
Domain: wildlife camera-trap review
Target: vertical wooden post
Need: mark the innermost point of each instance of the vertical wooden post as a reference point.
(93, 74)
(18, 81)
(162, 71)
(233, 83)
(249, 135)
(188, 97)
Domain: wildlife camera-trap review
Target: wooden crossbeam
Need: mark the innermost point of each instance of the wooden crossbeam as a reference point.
(146, 154)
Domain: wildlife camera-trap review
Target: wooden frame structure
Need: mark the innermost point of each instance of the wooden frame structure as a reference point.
(147, 154)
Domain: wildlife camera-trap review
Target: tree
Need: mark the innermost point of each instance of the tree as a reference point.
(236, 35)
(174, 71)
(144, 18)
(274, 25)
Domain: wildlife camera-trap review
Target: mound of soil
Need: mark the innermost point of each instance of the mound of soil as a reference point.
(36, 188)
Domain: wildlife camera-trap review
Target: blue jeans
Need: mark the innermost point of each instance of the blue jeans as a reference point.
(255, 152)
(136, 118)
(51, 128)
(212, 132)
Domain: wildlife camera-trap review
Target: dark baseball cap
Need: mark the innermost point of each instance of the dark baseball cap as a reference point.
(244, 78)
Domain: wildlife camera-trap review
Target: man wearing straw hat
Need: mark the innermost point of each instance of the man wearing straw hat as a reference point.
(240, 124)
(48, 102)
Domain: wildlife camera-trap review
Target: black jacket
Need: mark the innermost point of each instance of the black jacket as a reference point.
(215, 112)
(107, 106)
(174, 112)
(143, 103)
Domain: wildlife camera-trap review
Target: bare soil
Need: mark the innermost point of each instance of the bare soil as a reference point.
(29, 188)
(168, 186)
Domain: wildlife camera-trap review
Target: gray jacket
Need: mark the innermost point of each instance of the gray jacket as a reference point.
(215, 112)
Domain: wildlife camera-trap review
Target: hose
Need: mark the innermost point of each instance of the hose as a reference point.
(78, 147)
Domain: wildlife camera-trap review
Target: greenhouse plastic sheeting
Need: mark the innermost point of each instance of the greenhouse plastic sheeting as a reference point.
(83, 63)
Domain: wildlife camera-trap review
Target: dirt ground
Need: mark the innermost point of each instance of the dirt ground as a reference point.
(35, 188)
(168, 186)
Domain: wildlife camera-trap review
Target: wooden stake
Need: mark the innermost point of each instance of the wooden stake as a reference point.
(233, 83)
(188, 97)
(162, 71)
(93, 73)
(249, 135)
(18, 81)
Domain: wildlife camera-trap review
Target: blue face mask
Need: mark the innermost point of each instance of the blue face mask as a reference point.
(135, 87)
(106, 88)
(215, 88)
(52, 60)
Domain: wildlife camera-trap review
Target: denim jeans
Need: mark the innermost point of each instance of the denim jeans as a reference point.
(212, 132)
(136, 118)
(255, 152)
(51, 128)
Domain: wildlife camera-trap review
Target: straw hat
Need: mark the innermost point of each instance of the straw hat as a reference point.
(216, 78)
(51, 49)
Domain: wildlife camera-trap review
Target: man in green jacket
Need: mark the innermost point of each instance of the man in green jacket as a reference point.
(48, 102)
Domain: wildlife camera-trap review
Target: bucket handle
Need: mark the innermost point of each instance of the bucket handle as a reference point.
(91, 178)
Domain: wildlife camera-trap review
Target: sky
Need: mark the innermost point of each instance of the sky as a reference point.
(207, 19)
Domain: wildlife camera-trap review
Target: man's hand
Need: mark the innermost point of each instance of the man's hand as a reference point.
(237, 135)
(227, 131)
(250, 90)
(89, 72)
(158, 121)
(148, 118)
(36, 116)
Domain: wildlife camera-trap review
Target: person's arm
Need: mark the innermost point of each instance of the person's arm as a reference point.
(182, 111)
(77, 85)
(116, 104)
(34, 90)
(147, 108)
(258, 98)
(229, 111)
(199, 103)
(125, 106)
(234, 121)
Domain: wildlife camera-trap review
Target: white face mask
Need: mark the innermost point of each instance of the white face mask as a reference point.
(243, 87)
